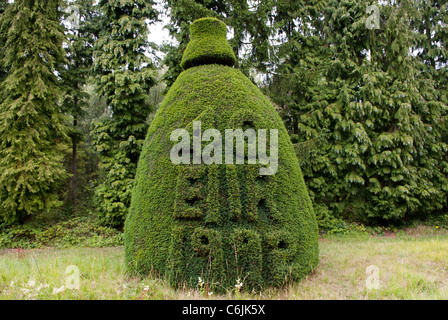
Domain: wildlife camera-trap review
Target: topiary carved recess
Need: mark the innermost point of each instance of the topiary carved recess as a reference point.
(220, 222)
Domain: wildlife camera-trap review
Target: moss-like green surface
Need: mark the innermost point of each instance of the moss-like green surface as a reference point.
(208, 44)
(219, 222)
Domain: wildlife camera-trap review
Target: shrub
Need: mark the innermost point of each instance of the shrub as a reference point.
(220, 222)
(79, 231)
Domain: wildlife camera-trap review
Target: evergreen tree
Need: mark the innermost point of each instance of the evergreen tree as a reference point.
(251, 23)
(124, 77)
(297, 76)
(82, 31)
(297, 86)
(432, 45)
(381, 159)
(182, 13)
(3, 31)
(32, 130)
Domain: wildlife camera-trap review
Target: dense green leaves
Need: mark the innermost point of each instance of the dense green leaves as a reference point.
(32, 128)
(82, 31)
(224, 221)
(384, 153)
(3, 32)
(124, 75)
(250, 22)
(366, 108)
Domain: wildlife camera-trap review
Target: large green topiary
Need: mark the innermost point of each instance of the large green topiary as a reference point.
(220, 222)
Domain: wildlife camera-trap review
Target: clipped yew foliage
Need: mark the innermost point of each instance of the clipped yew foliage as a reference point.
(220, 222)
(208, 44)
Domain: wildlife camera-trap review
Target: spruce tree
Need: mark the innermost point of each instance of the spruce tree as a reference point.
(296, 86)
(32, 131)
(431, 24)
(124, 75)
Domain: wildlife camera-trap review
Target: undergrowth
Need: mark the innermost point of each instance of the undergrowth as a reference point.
(85, 231)
(78, 231)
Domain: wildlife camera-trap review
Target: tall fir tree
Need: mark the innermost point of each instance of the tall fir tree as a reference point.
(32, 130)
(124, 76)
(381, 159)
(432, 49)
(297, 86)
(300, 55)
(82, 19)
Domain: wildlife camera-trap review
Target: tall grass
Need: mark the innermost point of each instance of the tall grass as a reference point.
(409, 267)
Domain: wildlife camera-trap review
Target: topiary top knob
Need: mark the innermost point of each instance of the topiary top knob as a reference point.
(208, 44)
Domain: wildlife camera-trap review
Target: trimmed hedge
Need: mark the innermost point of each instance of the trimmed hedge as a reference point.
(220, 222)
(208, 45)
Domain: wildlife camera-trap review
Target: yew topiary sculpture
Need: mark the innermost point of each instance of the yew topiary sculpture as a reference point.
(218, 221)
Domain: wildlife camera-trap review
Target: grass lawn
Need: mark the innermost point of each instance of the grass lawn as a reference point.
(408, 265)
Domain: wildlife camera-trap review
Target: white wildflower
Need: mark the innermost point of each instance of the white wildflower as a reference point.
(25, 291)
(12, 284)
(200, 281)
(56, 291)
(31, 283)
(239, 284)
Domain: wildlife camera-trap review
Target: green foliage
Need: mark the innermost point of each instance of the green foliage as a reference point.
(251, 26)
(431, 22)
(124, 76)
(326, 220)
(3, 31)
(437, 220)
(363, 94)
(80, 231)
(32, 127)
(79, 52)
(81, 35)
(208, 45)
(220, 222)
(183, 12)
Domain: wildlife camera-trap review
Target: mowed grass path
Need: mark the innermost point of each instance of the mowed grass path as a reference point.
(409, 267)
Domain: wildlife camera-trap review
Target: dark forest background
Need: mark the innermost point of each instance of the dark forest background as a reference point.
(360, 85)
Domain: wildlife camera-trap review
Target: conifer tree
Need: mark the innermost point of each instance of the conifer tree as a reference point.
(297, 76)
(82, 31)
(3, 31)
(124, 76)
(251, 23)
(432, 49)
(431, 24)
(295, 86)
(32, 130)
(381, 160)
(182, 13)
(432, 46)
